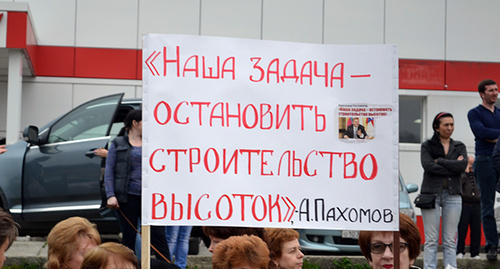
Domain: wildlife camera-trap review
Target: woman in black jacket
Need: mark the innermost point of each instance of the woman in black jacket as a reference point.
(443, 160)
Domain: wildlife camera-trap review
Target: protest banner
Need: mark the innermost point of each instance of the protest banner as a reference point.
(240, 132)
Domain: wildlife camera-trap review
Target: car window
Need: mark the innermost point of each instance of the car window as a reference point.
(115, 128)
(90, 120)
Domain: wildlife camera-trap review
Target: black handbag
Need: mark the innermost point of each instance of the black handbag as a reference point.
(425, 201)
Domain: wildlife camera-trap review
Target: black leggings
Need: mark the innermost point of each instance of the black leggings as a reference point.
(471, 215)
(132, 210)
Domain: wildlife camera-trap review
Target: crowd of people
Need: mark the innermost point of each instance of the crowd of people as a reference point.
(462, 188)
(76, 243)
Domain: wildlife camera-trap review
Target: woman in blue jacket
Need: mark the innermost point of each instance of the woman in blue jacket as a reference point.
(443, 160)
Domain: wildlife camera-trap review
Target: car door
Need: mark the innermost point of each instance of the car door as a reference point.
(62, 176)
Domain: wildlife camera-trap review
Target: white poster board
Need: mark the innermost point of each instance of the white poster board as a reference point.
(240, 132)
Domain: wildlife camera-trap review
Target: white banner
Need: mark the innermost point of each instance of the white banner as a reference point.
(240, 132)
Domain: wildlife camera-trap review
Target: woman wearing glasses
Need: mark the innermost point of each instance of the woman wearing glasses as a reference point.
(443, 160)
(378, 246)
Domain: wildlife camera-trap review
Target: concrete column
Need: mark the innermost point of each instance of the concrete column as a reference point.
(14, 95)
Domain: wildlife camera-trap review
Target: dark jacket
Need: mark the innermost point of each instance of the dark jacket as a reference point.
(351, 134)
(122, 167)
(442, 170)
(470, 190)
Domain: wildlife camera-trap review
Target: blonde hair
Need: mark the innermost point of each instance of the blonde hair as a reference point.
(108, 254)
(242, 250)
(63, 240)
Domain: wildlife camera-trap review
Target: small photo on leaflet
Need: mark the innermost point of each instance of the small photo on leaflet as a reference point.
(356, 127)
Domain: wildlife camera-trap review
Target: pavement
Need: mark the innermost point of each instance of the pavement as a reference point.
(27, 250)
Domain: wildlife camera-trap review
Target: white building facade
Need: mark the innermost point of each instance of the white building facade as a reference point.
(57, 54)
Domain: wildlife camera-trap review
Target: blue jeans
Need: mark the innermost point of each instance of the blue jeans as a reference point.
(449, 207)
(486, 177)
(178, 243)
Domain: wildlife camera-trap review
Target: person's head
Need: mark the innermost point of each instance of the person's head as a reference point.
(488, 90)
(374, 244)
(218, 234)
(443, 124)
(8, 233)
(68, 242)
(355, 122)
(133, 120)
(238, 252)
(284, 248)
(110, 255)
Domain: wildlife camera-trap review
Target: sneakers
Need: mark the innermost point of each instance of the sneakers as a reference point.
(477, 257)
(460, 255)
(492, 254)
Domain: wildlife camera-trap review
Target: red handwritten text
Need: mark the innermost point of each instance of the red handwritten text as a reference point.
(249, 116)
(272, 71)
(256, 162)
(276, 71)
(273, 208)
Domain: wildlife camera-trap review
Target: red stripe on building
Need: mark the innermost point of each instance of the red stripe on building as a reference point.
(20, 35)
(110, 63)
(139, 64)
(16, 30)
(464, 76)
(106, 63)
(421, 74)
(55, 61)
(31, 46)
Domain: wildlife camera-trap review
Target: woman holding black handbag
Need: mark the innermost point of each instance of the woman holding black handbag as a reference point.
(443, 160)
(123, 184)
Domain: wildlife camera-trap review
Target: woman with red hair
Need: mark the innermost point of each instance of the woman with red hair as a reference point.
(284, 248)
(241, 252)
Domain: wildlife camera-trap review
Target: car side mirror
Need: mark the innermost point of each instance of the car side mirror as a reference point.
(411, 187)
(30, 134)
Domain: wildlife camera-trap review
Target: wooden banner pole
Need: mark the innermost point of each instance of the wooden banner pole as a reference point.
(145, 246)
(395, 248)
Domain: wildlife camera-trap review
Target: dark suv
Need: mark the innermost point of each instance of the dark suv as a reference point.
(53, 174)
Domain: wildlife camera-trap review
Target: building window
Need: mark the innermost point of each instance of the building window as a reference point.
(410, 119)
